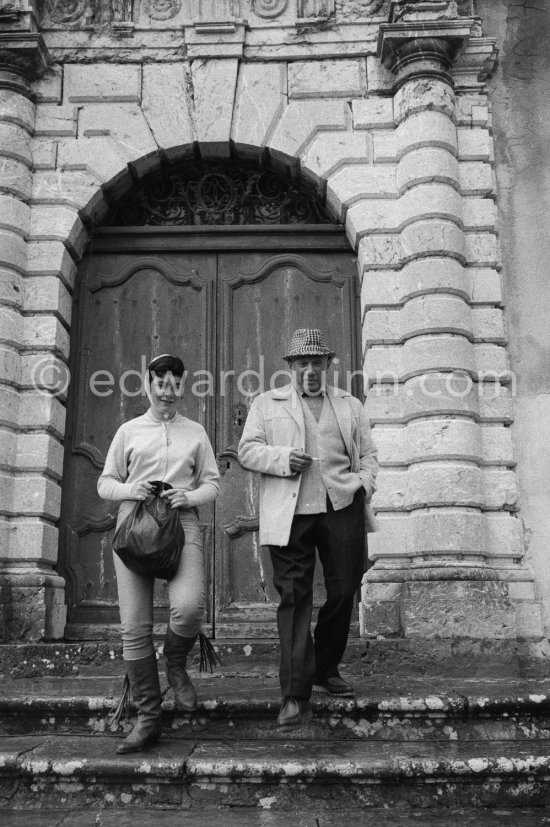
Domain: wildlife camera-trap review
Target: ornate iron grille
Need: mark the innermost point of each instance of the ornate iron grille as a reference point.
(221, 194)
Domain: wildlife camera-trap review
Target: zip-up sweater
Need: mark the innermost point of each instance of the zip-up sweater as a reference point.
(177, 451)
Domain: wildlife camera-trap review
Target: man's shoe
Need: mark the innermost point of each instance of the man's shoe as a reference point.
(294, 712)
(333, 685)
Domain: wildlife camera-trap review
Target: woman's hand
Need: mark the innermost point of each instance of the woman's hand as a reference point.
(140, 490)
(177, 497)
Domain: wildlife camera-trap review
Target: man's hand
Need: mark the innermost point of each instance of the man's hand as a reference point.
(299, 461)
(140, 490)
(177, 497)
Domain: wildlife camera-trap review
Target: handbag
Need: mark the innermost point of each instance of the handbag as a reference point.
(150, 539)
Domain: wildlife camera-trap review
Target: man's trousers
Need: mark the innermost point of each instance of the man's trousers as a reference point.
(339, 537)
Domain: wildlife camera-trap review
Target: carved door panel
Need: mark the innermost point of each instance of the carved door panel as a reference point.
(263, 298)
(129, 307)
(230, 314)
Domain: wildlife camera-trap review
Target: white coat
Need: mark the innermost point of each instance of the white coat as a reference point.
(274, 426)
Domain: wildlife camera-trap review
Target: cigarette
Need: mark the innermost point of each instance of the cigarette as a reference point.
(316, 459)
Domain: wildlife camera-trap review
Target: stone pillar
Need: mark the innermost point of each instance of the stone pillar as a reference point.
(31, 594)
(447, 562)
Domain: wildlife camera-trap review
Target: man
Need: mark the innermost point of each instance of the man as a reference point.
(312, 445)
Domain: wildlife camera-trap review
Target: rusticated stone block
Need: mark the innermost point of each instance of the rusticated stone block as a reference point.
(481, 249)
(9, 405)
(44, 154)
(15, 143)
(458, 609)
(488, 325)
(165, 104)
(447, 393)
(51, 258)
(427, 129)
(363, 181)
(36, 496)
(16, 109)
(104, 158)
(379, 79)
(302, 120)
(16, 178)
(434, 237)
(394, 287)
(14, 215)
(58, 223)
(421, 315)
(13, 251)
(486, 285)
(422, 440)
(501, 488)
(8, 447)
(72, 189)
(422, 354)
(380, 252)
(214, 82)
(427, 165)
(11, 288)
(39, 453)
(475, 145)
(431, 484)
(10, 326)
(492, 364)
(30, 539)
(102, 82)
(379, 618)
(472, 110)
(6, 492)
(424, 94)
(479, 214)
(261, 99)
(44, 332)
(42, 411)
(528, 617)
(49, 88)
(124, 123)
(46, 373)
(373, 113)
(384, 147)
(497, 446)
(55, 121)
(476, 178)
(32, 612)
(455, 531)
(47, 294)
(330, 152)
(437, 200)
(327, 78)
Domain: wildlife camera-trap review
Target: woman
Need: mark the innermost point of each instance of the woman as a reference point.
(161, 445)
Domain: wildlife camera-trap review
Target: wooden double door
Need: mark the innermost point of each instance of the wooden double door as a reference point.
(227, 303)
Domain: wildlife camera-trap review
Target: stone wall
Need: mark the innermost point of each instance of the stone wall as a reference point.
(368, 113)
(521, 126)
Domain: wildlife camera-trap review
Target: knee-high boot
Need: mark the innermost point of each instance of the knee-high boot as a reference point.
(176, 650)
(145, 686)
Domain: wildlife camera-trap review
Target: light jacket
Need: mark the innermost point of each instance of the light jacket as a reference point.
(274, 426)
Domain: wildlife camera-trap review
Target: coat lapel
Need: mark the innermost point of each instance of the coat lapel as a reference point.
(289, 401)
(343, 417)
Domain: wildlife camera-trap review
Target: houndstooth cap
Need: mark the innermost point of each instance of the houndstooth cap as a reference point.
(308, 342)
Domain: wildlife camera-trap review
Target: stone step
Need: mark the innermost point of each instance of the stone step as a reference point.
(84, 772)
(384, 709)
(244, 817)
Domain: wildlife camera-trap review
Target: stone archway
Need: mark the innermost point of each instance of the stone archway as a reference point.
(220, 262)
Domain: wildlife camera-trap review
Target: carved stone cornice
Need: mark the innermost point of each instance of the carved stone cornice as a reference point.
(422, 48)
(23, 58)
